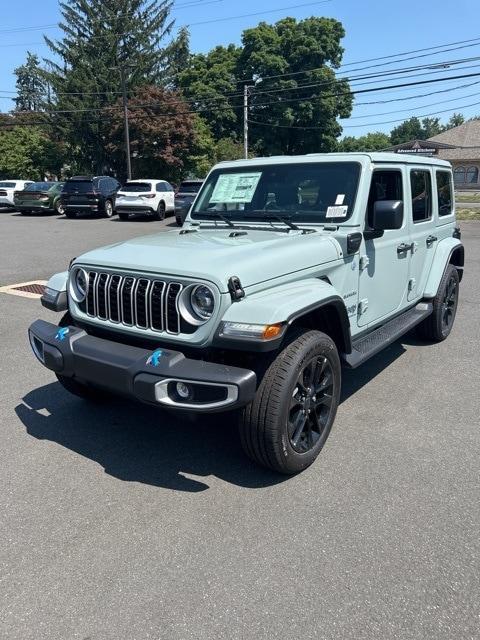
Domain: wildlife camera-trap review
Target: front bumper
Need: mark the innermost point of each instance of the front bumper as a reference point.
(150, 377)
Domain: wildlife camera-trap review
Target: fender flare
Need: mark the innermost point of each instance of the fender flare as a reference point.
(449, 250)
(285, 304)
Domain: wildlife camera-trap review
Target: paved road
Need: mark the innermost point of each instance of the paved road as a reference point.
(118, 522)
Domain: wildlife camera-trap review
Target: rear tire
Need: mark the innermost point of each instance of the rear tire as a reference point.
(108, 209)
(438, 325)
(160, 215)
(123, 216)
(71, 214)
(59, 208)
(25, 212)
(290, 418)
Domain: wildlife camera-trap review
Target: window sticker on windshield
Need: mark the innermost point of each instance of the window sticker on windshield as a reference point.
(340, 198)
(235, 187)
(337, 212)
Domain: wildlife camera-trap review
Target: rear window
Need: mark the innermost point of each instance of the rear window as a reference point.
(8, 185)
(137, 187)
(40, 186)
(78, 186)
(189, 187)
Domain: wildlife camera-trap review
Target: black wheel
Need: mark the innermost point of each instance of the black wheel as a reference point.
(70, 384)
(123, 216)
(439, 323)
(290, 418)
(71, 214)
(160, 215)
(25, 212)
(108, 209)
(179, 221)
(59, 208)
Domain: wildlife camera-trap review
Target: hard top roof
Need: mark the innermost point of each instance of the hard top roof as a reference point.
(374, 156)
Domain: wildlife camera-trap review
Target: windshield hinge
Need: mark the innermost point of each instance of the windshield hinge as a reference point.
(235, 288)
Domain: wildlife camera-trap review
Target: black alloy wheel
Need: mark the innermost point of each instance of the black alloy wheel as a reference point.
(449, 305)
(311, 404)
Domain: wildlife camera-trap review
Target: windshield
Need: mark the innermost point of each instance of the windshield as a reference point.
(137, 187)
(7, 185)
(40, 186)
(302, 192)
(79, 186)
(189, 187)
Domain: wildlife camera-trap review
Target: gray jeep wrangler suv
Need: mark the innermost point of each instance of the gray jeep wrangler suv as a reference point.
(286, 269)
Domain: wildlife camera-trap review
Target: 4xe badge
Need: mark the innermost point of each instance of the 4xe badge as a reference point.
(154, 359)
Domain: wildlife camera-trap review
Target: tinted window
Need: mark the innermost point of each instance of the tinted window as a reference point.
(421, 187)
(79, 186)
(160, 187)
(40, 186)
(137, 187)
(386, 185)
(444, 193)
(8, 185)
(304, 192)
(189, 187)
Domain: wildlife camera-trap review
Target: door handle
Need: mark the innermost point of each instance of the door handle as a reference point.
(430, 240)
(404, 247)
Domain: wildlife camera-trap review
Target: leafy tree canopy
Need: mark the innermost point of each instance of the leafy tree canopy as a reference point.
(369, 142)
(28, 153)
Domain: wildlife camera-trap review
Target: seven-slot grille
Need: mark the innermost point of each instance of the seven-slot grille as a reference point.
(134, 302)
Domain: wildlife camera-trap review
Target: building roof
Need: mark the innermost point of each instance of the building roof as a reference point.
(465, 135)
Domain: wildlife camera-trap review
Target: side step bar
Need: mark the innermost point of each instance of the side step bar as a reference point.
(369, 345)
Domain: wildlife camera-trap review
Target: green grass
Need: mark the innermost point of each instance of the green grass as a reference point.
(475, 197)
(468, 214)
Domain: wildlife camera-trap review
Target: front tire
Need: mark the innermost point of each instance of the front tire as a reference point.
(291, 416)
(438, 325)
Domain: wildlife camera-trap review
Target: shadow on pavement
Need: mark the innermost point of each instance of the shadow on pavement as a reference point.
(137, 443)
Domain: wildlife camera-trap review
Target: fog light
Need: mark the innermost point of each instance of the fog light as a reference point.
(183, 390)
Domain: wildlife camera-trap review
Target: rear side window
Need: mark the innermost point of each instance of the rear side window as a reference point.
(444, 193)
(421, 188)
(386, 185)
(161, 187)
(8, 185)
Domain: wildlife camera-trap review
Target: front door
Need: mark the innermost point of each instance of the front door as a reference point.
(384, 267)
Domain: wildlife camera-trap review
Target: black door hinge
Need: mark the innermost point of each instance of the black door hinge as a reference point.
(235, 288)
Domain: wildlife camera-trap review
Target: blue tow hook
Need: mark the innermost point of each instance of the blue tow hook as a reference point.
(61, 333)
(154, 359)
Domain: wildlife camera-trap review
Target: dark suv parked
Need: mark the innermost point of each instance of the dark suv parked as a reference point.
(82, 194)
(185, 195)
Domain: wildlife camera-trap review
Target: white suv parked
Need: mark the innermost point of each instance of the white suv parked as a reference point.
(8, 188)
(145, 197)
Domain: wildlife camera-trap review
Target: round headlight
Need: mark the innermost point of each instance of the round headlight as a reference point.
(202, 301)
(79, 285)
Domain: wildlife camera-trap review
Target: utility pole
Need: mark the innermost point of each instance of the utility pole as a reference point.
(125, 120)
(245, 119)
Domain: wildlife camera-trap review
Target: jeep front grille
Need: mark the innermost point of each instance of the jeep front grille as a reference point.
(133, 302)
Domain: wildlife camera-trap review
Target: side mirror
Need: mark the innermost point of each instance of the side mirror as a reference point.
(387, 214)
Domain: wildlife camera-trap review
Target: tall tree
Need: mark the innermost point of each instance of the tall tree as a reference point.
(416, 129)
(296, 89)
(28, 153)
(161, 133)
(30, 85)
(99, 38)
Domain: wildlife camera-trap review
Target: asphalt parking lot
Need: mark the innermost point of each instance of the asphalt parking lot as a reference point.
(118, 522)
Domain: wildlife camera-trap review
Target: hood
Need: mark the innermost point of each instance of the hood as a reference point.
(211, 254)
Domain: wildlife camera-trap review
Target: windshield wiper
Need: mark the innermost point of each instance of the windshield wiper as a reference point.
(285, 219)
(215, 215)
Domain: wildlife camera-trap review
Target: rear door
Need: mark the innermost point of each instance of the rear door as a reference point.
(383, 269)
(422, 222)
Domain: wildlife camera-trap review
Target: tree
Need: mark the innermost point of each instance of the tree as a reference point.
(209, 81)
(161, 133)
(100, 37)
(307, 51)
(455, 121)
(28, 153)
(30, 85)
(369, 142)
(416, 129)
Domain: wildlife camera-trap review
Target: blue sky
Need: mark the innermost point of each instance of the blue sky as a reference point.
(373, 28)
